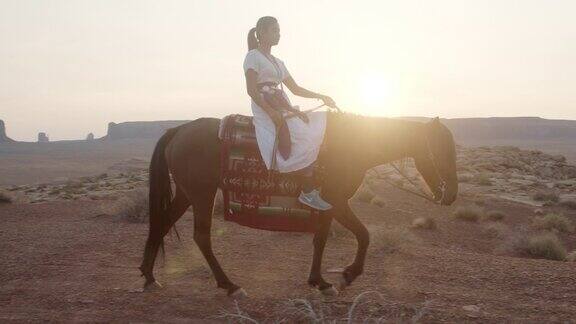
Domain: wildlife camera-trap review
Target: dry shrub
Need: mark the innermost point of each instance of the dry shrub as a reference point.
(495, 230)
(378, 202)
(339, 231)
(390, 240)
(482, 179)
(5, 197)
(480, 201)
(547, 246)
(367, 307)
(546, 196)
(132, 206)
(553, 222)
(465, 178)
(364, 194)
(494, 216)
(542, 246)
(468, 213)
(569, 204)
(424, 223)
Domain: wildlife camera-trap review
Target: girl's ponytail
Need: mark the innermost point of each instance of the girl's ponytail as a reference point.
(252, 40)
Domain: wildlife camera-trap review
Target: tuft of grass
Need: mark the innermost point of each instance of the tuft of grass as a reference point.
(546, 196)
(546, 246)
(390, 240)
(424, 223)
(494, 216)
(378, 202)
(468, 213)
(553, 222)
(132, 206)
(569, 204)
(495, 230)
(465, 178)
(55, 191)
(5, 197)
(482, 179)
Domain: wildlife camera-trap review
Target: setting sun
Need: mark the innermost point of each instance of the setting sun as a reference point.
(374, 93)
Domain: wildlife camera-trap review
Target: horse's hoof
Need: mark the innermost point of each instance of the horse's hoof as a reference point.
(239, 293)
(329, 292)
(343, 283)
(153, 286)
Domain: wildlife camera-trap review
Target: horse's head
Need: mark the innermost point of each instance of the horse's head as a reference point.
(436, 162)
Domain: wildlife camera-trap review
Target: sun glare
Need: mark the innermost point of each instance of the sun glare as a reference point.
(374, 92)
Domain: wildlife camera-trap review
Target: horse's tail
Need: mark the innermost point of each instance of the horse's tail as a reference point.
(160, 193)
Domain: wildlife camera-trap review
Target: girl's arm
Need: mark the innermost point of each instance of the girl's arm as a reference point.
(302, 92)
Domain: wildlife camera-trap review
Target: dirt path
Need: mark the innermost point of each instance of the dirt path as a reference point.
(64, 261)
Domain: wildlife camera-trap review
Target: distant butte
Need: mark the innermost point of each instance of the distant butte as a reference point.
(3, 137)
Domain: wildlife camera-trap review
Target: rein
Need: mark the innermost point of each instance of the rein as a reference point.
(422, 194)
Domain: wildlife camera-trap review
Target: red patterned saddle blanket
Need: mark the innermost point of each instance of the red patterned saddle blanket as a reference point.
(252, 196)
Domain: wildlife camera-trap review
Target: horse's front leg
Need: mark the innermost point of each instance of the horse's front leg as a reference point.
(315, 279)
(352, 223)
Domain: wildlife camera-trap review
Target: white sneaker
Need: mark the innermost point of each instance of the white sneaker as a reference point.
(313, 200)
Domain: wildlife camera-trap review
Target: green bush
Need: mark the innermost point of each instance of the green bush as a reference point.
(546, 246)
(546, 196)
(555, 222)
(482, 180)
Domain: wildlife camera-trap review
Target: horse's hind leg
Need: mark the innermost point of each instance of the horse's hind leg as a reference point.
(177, 208)
(203, 204)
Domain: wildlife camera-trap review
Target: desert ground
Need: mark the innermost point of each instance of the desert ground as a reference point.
(73, 228)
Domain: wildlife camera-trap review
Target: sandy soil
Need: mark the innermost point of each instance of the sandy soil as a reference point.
(66, 261)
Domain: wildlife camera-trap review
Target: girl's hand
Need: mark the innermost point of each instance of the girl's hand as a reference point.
(328, 101)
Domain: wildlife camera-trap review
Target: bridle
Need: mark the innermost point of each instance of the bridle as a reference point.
(422, 194)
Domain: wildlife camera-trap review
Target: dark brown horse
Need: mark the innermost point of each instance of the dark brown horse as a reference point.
(354, 144)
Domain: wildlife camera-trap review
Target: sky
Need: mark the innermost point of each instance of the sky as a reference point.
(70, 67)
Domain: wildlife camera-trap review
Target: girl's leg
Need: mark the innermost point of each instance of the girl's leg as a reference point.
(308, 178)
(308, 196)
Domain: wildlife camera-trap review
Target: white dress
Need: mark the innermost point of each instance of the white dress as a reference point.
(305, 138)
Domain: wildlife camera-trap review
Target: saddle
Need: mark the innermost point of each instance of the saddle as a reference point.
(253, 195)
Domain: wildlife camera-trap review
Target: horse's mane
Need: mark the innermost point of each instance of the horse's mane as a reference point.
(359, 121)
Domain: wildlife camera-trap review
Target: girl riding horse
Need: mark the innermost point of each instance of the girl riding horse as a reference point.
(299, 139)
